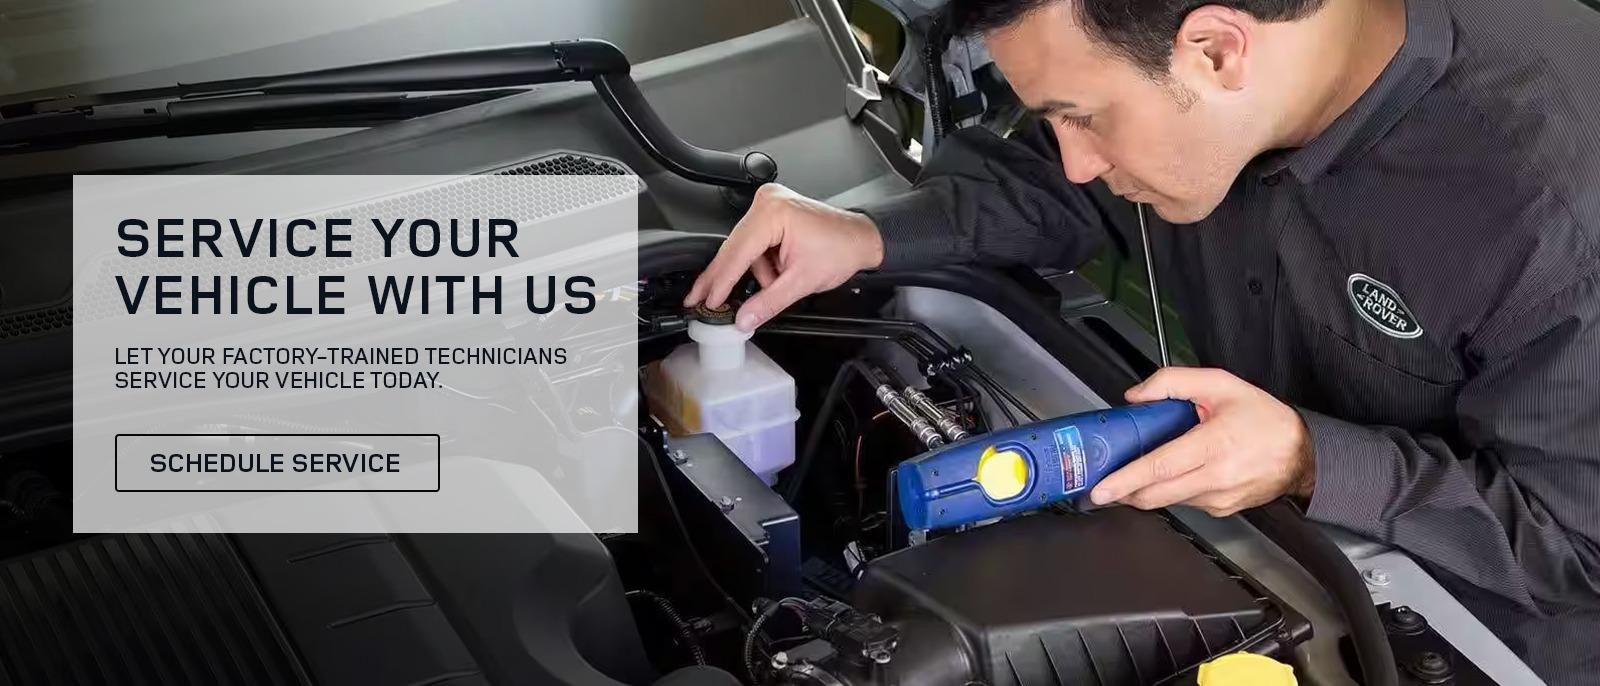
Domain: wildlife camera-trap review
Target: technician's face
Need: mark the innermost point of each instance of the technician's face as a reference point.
(1152, 142)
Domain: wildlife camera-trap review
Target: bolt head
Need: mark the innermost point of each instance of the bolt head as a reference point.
(1431, 667)
(1405, 620)
(1376, 577)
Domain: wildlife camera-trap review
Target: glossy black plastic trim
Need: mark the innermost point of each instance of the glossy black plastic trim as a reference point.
(596, 61)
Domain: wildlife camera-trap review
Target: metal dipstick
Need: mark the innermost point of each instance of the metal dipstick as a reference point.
(1155, 295)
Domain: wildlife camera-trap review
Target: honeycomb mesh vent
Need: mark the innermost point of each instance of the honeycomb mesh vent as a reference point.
(564, 164)
(38, 322)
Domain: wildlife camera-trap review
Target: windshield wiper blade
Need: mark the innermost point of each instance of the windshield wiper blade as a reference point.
(225, 114)
(315, 97)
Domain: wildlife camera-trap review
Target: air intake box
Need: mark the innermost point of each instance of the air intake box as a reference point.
(1117, 596)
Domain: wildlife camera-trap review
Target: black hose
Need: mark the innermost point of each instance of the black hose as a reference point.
(685, 632)
(921, 330)
(31, 498)
(1005, 409)
(918, 348)
(1002, 395)
(819, 423)
(918, 338)
(781, 327)
(967, 394)
(1282, 523)
(755, 630)
(1000, 403)
(683, 530)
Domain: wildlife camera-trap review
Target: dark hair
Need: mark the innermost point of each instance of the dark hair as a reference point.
(1140, 30)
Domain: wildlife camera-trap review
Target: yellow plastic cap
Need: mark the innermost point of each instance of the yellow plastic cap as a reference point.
(1245, 669)
(1002, 474)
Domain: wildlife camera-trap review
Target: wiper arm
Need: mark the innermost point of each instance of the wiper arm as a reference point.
(329, 93)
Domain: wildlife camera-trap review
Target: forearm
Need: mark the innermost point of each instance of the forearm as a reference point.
(1466, 514)
(992, 200)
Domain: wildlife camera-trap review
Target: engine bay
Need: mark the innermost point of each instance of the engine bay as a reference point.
(836, 589)
(769, 548)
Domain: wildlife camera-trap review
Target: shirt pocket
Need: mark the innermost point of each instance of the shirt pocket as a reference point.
(1378, 385)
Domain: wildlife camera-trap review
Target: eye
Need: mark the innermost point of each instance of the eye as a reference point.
(1077, 121)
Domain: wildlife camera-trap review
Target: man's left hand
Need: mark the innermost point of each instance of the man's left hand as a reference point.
(1248, 449)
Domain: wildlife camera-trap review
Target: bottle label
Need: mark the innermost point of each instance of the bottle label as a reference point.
(1069, 443)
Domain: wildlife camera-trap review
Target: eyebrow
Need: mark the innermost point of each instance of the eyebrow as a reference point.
(1050, 107)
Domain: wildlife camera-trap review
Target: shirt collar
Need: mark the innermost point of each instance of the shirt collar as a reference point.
(1415, 68)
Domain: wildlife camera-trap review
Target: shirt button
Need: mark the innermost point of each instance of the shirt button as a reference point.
(1254, 284)
(1272, 179)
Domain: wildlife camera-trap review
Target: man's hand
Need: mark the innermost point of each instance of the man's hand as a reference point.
(1247, 450)
(795, 246)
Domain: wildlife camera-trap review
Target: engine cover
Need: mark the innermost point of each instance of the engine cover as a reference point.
(1117, 596)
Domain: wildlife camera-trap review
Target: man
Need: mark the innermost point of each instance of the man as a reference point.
(1382, 230)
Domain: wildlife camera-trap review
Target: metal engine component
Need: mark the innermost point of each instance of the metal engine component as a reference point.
(908, 415)
(746, 529)
(946, 423)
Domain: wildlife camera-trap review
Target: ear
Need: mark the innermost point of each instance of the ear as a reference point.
(1213, 46)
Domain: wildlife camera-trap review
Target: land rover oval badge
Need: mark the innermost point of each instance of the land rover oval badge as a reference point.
(1377, 303)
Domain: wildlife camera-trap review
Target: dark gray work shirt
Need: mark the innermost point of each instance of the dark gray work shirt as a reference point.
(1421, 281)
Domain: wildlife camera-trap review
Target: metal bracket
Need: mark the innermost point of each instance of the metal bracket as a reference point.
(860, 77)
(864, 91)
(836, 29)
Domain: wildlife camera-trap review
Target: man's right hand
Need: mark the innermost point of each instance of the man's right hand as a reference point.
(795, 246)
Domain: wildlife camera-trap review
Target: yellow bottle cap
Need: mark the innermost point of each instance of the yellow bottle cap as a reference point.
(1002, 474)
(1245, 669)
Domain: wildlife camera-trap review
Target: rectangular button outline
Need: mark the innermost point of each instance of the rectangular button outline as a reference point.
(438, 468)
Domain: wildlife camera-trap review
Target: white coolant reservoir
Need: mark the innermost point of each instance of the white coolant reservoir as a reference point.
(723, 384)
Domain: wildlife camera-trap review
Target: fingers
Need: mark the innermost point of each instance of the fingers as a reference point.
(771, 300)
(1184, 383)
(735, 258)
(760, 229)
(1248, 448)
(1162, 480)
(763, 269)
(1177, 458)
(1167, 493)
(1219, 504)
(697, 291)
(794, 247)
(1167, 382)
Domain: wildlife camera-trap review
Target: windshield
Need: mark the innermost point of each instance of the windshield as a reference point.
(100, 45)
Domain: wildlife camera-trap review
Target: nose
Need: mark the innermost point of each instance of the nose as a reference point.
(1079, 159)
